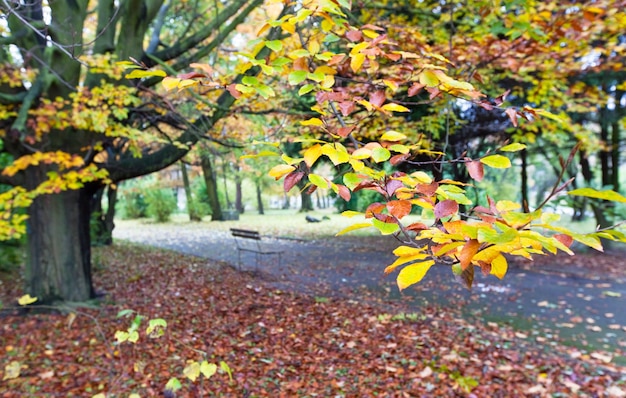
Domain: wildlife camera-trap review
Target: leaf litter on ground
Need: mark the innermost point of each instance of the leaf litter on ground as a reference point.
(277, 342)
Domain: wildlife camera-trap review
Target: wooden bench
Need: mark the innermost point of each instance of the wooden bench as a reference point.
(250, 241)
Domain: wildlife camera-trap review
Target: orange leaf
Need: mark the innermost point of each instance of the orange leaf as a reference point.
(399, 208)
(344, 192)
(467, 252)
(565, 239)
(373, 209)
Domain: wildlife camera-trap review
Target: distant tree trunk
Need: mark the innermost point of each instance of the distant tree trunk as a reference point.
(57, 222)
(604, 154)
(318, 200)
(259, 199)
(615, 141)
(229, 205)
(211, 188)
(524, 177)
(238, 192)
(285, 201)
(307, 203)
(192, 209)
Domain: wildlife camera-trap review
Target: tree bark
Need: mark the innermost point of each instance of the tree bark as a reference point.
(238, 191)
(259, 199)
(524, 183)
(191, 208)
(58, 266)
(211, 188)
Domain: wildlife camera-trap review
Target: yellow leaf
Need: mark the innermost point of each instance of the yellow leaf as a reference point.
(280, 170)
(351, 213)
(312, 154)
(12, 370)
(395, 108)
(412, 274)
(192, 371)
(138, 73)
(208, 369)
(507, 205)
(314, 121)
(496, 161)
(370, 33)
(170, 83)
(26, 300)
(358, 48)
(187, 83)
(353, 227)
(514, 147)
(499, 266)
(356, 61)
(429, 78)
(403, 260)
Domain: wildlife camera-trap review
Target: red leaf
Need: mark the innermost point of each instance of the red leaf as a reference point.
(446, 208)
(565, 239)
(377, 98)
(344, 192)
(373, 209)
(233, 91)
(364, 185)
(512, 114)
(190, 75)
(433, 91)
(354, 35)
(386, 218)
(416, 226)
(415, 89)
(346, 107)
(311, 189)
(292, 179)
(344, 131)
(392, 186)
(427, 189)
(501, 98)
(399, 208)
(397, 159)
(475, 170)
(485, 105)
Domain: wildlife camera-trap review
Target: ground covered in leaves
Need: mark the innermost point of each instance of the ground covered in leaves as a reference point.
(277, 343)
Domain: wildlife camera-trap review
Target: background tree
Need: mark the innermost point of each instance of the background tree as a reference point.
(71, 124)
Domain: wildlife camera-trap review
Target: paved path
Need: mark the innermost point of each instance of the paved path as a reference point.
(546, 305)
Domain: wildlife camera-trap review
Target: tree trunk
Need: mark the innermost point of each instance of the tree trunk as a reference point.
(58, 267)
(192, 210)
(211, 188)
(524, 178)
(102, 223)
(238, 192)
(259, 199)
(228, 204)
(615, 141)
(307, 203)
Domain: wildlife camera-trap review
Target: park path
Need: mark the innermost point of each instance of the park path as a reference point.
(545, 304)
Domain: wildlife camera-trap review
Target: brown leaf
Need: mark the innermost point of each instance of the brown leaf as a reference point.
(466, 278)
(190, 75)
(446, 208)
(344, 131)
(565, 239)
(416, 226)
(476, 170)
(354, 35)
(233, 91)
(346, 107)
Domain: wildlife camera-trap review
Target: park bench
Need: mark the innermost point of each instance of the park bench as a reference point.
(250, 241)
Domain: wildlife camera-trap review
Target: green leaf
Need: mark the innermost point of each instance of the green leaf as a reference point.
(121, 336)
(250, 81)
(351, 180)
(280, 61)
(173, 385)
(380, 154)
(155, 327)
(274, 45)
(412, 274)
(124, 313)
(496, 161)
(265, 91)
(515, 147)
(208, 369)
(224, 366)
(318, 181)
(384, 227)
(297, 77)
(133, 336)
(307, 88)
(592, 193)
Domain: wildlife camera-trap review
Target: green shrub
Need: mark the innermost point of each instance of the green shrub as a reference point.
(161, 203)
(11, 254)
(132, 205)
